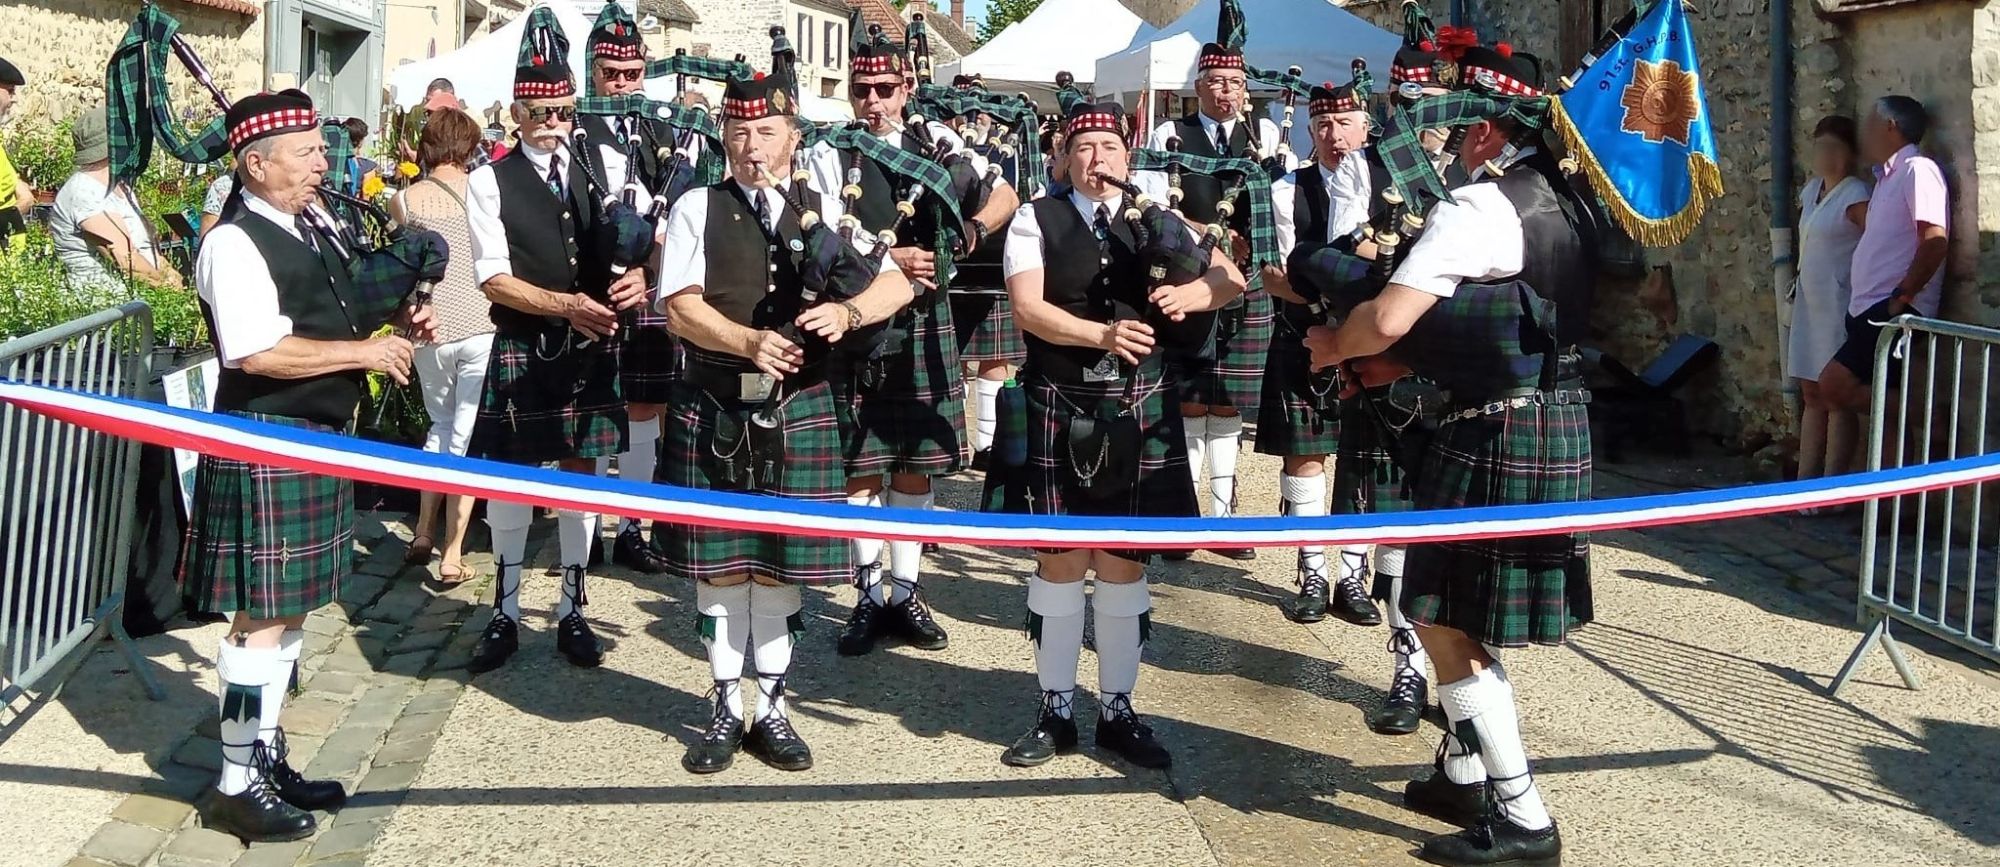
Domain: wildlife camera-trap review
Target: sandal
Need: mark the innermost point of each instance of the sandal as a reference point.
(453, 573)
(420, 551)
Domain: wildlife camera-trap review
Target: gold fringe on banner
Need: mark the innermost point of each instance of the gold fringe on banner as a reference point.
(1705, 184)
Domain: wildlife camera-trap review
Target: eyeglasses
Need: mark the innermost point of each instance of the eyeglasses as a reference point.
(1217, 82)
(882, 90)
(621, 74)
(541, 113)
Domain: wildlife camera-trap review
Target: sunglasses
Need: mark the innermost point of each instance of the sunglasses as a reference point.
(541, 113)
(621, 74)
(882, 90)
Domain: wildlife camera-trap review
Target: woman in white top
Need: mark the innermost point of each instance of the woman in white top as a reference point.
(1831, 209)
(96, 224)
(452, 369)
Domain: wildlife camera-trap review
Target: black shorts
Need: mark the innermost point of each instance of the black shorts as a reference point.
(1857, 354)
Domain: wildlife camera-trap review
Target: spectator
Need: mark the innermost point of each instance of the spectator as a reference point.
(494, 142)
(216, 201)
(452, 368)
(1897, 263)
(17, 196)
(357, 132)
(1831, 211)
(97, 221)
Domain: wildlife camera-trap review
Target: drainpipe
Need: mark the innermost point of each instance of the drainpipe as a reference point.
(1782, 262)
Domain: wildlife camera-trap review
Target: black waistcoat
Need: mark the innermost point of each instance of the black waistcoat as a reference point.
(1311, 207)
(1201, 192)
(547, 238)
(652, 136)
(876, 209)
(1077, 278)
(743, 268)
(1490, 338)
(311, 289)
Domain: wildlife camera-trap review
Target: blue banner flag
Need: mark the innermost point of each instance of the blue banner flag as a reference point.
(1637, 124)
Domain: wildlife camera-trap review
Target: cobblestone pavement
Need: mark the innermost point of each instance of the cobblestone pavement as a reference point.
(1689, 726)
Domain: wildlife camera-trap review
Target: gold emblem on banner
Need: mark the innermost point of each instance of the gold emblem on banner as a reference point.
(1661, 102)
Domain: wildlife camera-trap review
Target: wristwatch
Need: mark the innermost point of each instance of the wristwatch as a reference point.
(853, 315)
(979, 232)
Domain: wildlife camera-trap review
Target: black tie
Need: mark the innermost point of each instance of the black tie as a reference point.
(555, 175)
(762, 208)
(306, 232)
(1222, 140)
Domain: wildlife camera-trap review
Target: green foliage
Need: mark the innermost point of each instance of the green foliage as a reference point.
(404, 422)
(45, 156)
(1002, 13)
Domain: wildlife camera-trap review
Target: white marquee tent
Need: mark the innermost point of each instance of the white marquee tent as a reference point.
(482, 71)
(1049, 41)
(1322, 38)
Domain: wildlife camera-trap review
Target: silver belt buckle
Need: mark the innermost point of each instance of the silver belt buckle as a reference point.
(1106, 370)
(754, 386)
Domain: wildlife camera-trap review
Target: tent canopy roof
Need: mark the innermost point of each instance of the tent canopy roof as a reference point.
(1322, 38)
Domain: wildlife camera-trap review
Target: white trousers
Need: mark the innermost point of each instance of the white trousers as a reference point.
(452, 375)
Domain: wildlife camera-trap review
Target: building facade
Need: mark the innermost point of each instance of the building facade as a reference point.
(228, 34)
(414, 30)
(331, 49)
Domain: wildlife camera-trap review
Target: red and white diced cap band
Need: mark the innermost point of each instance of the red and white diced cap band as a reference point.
(258, 126)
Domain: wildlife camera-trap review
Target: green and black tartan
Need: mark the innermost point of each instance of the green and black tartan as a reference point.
(648, 361)
(986, 329)
(915, 422)
(813, 470)
(1161, 485)
(1514, 591)
(1288, 424)
(268, 542)
(141, 110)
(1367, 479)
(1242, 343)
(547, 399)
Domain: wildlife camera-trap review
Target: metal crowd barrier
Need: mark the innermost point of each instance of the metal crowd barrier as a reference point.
(1923, 561)
(68, 501)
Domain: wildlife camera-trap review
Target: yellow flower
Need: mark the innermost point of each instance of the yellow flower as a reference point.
(406, 169)
(372, 187)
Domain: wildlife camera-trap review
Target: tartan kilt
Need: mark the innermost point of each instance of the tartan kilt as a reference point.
(536, 410)
(266, 541)
(648, 360)
(986, 329)
(1287, 423)
(1234, 378)
(812, 471)
(1515, 591)
(915, 422)
(1047, 483)
(1366, 477)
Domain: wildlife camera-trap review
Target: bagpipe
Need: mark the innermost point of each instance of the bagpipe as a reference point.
(1171, 255)
(388, 266)
(1243, 180)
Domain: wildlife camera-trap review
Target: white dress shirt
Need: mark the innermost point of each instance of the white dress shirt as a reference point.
(1024, 235)
(828, 165)
(1478, 237)
(1348, 188)
(1267, 136)
(489, 236)
(683, 262)
(232, 275)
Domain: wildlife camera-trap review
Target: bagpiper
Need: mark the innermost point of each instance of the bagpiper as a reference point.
(1215, 392)
(903, 411)
(988, 341)
(1101, 435)
(646, 351)
(270, 545)
(1300, 418)
(754, 409)
(552, 389)
(1489, 303)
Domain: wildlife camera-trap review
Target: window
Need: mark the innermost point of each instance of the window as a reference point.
(804, 35)
(828, 86)
(833, 34)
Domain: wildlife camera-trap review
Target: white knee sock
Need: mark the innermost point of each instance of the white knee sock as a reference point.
(1197, 447)
(1461, 761)
(1305, 497)
(906, 558)
(986, 395)
(245, 675)
(638, 463)
(868, 552)
(1225, 442)
(1119, 611)
(1055, 623)
(290, 645)
(725, 628)
(1402, 633)
(1487, 700)
(771, 610)
(575, 531)
(1353, 564)
(509, 522)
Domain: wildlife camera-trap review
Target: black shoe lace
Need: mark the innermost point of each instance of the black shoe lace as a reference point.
(861, 572)
(913, 606)
(723, 724)
(1406, 687)
(1312, 579)
(576, 600)
(1353, 588)
(1119, 704)
(500, 594)
(1058, 703)
(496, 628)
(778, 728)
(1354, 572)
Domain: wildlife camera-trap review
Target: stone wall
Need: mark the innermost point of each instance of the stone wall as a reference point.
(732, 27)
(69, 42)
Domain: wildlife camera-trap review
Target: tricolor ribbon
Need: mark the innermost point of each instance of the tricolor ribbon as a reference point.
(401, 466)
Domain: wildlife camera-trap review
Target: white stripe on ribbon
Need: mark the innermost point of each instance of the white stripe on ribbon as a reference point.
(401, 466)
